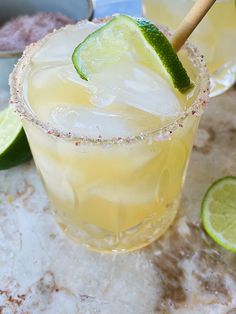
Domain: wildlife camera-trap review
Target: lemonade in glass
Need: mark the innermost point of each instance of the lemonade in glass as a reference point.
(112, 152)
(215, 35)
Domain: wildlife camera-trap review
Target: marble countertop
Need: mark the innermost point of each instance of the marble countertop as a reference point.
(41, 271)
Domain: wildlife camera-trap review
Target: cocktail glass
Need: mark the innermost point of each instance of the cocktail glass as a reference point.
(118, 193)
(215, 35)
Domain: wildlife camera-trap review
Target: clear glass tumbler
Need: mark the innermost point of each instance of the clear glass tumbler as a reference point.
(215, 35)
(116, 194)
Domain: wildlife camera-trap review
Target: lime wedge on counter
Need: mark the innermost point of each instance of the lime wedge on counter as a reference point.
(219, 212)
(14, 147)
(127, 37)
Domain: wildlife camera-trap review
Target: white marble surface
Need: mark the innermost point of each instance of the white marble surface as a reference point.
(41, 271)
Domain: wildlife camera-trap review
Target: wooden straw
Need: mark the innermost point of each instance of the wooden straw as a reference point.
(190, 22)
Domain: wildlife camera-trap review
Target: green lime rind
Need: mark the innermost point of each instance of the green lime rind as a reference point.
(166, 54)
(218, 212)
(106, 46)
(14, 147)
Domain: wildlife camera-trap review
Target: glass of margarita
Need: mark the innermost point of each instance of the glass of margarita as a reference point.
(215, 35)
(113, 173)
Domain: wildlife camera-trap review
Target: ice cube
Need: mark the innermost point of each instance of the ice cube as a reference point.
(136, 86)
(62, 44)
(90, 122)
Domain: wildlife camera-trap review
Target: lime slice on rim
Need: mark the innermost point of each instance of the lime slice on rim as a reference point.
(219, 212)
(127, 37)
(14, 147)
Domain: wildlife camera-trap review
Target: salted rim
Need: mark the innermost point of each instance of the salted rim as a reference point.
(18, 103)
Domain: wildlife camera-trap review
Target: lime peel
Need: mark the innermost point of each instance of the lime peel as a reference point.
(14, 147)
(221, 213)
(110, 42)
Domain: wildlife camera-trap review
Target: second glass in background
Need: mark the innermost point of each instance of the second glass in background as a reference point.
(215, 36)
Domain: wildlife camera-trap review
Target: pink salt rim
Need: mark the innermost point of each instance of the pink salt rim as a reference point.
(18, 103)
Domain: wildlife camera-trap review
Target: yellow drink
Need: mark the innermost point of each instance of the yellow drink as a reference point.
(113, 166)
(215, 35)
